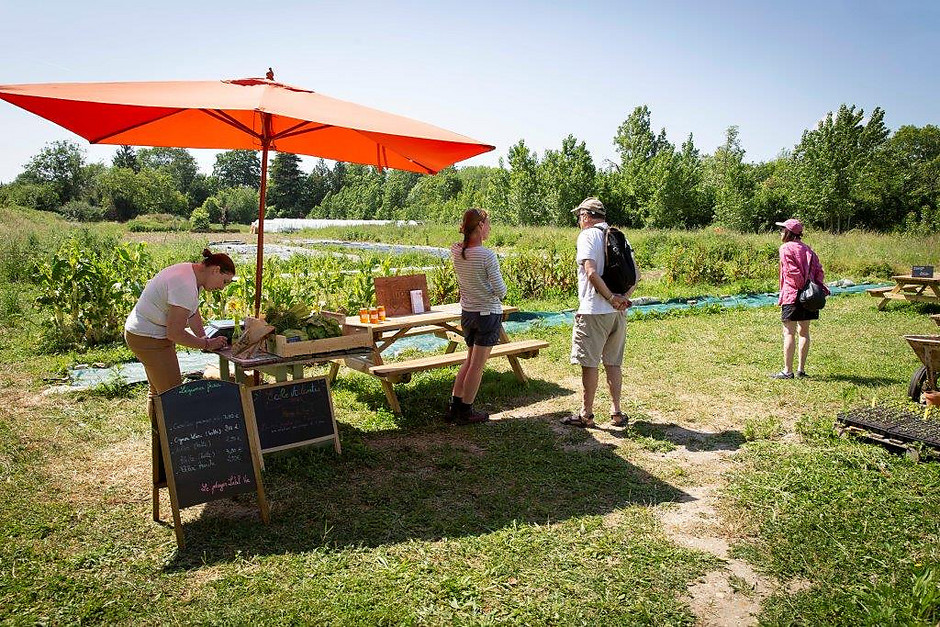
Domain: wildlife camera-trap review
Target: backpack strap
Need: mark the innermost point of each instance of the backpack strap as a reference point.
(604, 247)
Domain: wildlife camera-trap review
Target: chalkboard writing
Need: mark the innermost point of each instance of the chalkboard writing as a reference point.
(293, 413)
(208, 442)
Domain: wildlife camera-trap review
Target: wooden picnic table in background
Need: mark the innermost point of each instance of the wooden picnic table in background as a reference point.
(442, 321)
(909, 288)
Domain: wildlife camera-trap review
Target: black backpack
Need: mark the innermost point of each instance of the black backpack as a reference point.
(619, 271)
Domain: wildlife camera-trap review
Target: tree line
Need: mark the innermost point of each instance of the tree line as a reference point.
(848, 172)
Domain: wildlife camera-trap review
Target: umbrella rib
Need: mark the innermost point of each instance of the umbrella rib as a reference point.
(133, 126)
(224, 117)
(418, 163)
(292, 132)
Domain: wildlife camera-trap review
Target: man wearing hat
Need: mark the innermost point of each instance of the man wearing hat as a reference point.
(600, 323)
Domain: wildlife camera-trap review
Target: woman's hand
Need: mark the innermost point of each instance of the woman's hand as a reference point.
(216, 343)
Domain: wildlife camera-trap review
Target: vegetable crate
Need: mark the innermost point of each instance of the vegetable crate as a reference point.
(352, 337)
(896, 428)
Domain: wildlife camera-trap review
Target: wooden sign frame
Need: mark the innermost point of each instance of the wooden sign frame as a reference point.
(250, 414)
(394, 293)
(170, 479)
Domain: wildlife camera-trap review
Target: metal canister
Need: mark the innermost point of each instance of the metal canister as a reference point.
(381, 309)
(374, 315)
(363, 314)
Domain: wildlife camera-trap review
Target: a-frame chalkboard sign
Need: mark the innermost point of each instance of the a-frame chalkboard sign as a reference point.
(209, 448)
(293, 413)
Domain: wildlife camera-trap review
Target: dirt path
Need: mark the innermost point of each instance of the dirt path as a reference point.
(731, 594)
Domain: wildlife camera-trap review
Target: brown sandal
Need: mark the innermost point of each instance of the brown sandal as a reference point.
(577, 420)
(619, 419)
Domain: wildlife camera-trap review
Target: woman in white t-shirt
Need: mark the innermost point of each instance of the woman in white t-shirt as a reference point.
(167, 306)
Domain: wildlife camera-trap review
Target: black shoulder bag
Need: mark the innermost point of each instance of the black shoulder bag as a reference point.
(812, 296)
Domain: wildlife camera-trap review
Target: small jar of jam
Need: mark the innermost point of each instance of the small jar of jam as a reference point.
(363, 314)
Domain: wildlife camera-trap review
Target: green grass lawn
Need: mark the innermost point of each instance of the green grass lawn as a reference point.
(519, 521)
(515, 521)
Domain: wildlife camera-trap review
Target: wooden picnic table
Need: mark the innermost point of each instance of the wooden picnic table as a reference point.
(442, 321)
(910, 288)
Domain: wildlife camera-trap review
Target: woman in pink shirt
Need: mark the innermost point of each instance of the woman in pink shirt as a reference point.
(798, 263)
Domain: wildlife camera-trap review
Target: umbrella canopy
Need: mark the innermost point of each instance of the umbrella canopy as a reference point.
(250, 113)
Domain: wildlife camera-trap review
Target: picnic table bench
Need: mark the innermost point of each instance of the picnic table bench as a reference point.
(442, 321)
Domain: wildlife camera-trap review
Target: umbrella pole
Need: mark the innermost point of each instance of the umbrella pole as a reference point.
(262, 192)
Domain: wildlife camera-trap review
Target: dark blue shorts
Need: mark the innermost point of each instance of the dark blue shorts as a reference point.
(481, 330)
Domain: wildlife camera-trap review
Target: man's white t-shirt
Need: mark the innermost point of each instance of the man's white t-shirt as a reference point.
(173, 286)
(591, 245)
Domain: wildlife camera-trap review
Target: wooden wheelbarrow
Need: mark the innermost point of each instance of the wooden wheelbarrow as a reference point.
(927, 348)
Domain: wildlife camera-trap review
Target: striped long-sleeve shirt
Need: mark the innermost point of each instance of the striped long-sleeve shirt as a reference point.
(481, 283)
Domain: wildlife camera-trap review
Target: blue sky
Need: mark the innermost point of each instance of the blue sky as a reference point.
(501, 72)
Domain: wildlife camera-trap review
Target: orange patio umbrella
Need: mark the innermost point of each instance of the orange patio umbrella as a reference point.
(251, 113)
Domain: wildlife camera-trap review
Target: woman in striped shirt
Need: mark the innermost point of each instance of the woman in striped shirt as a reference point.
(481, 290)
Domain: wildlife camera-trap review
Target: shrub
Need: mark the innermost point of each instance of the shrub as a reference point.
(42, 196)
(534, 274)
(81, 211)
(719, 260)
(157, 222)
(876, 269)
(199, 220)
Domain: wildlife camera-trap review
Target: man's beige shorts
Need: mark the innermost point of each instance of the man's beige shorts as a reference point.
(598, 337)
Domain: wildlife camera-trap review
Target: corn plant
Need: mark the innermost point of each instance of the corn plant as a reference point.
(88, 291)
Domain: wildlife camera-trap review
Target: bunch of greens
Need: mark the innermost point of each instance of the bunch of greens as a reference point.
(297, 324)
(283, 317)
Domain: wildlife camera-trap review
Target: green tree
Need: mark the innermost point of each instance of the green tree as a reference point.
(126, 157)
(676, 200)
(525, 203)
(319, 185)
(771, 201)
(360, 196)
(337, 177)
(494, 196)
(287, 187)
(398, 184)
(125, 194)
(566, 177)
(235, 168)
(834, 167)
(60, 166)
(178, 163)
(731, 187)
(239, 204)
(638, 146)
(910, 174)
(433, 196)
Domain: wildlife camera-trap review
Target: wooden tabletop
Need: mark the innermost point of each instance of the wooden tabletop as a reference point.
(906, 278)
(263, 358)
(439, 314)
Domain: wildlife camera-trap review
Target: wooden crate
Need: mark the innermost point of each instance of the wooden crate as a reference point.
(352, 337)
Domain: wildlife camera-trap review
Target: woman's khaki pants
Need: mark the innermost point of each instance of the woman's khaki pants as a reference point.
(163, 372)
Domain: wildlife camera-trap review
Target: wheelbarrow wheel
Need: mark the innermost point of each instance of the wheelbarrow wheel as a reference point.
(916, 388)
